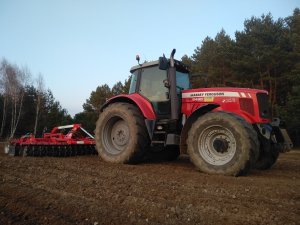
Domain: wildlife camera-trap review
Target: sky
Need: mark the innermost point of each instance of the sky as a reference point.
(78, 45)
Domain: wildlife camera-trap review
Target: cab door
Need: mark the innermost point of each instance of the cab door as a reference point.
(152, 87)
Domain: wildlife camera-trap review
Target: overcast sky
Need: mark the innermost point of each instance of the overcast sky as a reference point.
(80, 44)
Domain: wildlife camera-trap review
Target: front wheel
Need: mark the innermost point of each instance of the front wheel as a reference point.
(222, 143)
(121, 135)
(267, 157)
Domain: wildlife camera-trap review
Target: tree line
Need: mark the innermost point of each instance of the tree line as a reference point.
(25, 104)
(264, 55)
(27, 107)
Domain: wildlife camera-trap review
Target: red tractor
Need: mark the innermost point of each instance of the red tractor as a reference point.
(224, 130)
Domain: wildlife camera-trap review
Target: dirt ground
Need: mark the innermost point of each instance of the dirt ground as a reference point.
(86, 190)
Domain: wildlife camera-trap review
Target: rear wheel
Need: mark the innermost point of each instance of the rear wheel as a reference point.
(121, 135)
(222, 143)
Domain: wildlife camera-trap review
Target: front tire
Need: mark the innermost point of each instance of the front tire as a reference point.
(267, 157)
(222, 143)
(121, 135)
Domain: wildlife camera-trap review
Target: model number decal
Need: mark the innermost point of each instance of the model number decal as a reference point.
(205, 99)
(208, 99)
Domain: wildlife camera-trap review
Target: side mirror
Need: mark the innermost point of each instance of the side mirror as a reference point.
(163, 63)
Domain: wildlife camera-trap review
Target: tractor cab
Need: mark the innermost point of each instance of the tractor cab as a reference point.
(160, 83)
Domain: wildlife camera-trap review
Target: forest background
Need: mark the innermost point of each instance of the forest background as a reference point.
(264, 55)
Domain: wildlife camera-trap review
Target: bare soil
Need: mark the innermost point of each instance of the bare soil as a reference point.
(86, 190)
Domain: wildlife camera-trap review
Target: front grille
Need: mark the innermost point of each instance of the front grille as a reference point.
(263, 105)
(246, 105)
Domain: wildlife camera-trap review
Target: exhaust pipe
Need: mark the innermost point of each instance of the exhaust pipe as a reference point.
(173, 88)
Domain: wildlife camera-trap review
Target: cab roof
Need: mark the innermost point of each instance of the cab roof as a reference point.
(179, 66)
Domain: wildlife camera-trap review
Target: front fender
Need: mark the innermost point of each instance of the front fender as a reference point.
(142, 104)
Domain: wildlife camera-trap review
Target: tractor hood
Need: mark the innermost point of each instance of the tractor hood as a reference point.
(221, 92)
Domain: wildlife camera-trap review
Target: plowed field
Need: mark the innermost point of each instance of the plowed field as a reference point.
(86, 190)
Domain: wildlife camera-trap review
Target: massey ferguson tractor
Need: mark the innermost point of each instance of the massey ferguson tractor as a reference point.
(223, 130)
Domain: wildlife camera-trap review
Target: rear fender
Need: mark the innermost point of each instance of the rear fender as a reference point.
(189, 122)
(142, 104)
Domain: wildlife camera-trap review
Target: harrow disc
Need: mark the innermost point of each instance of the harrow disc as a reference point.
(51, 150)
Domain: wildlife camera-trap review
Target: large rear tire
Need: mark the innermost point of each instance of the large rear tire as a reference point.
(223, 143)
(121, 135)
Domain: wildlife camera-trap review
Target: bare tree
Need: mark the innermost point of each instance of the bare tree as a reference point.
(23, 77)
(15, 80)
(40, 93)
(13, 92)
(4, 93)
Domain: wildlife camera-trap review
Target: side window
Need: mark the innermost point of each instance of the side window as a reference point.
(152, 86)
(183, 81)
(133, 82)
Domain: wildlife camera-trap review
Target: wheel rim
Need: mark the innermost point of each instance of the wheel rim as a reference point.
(115, 135)
(216, 145)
